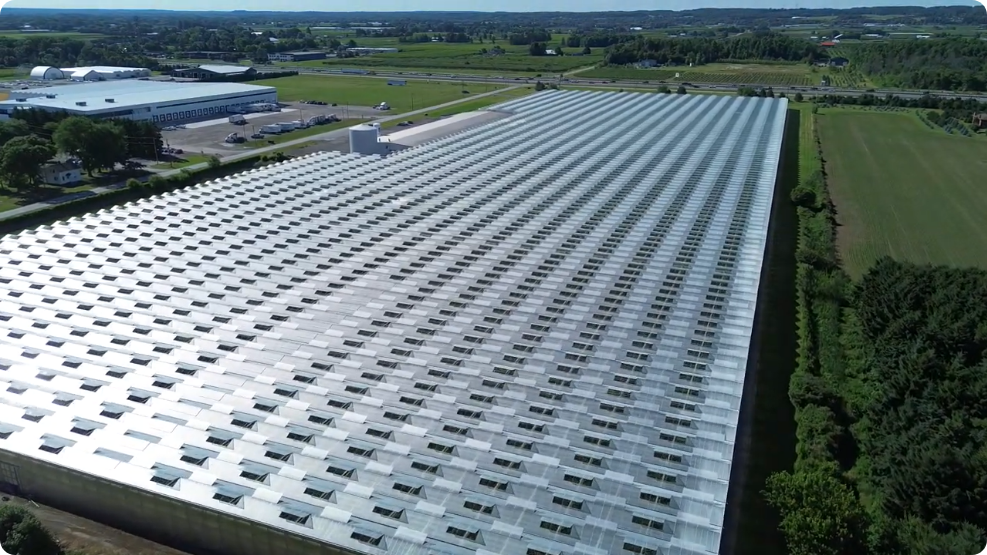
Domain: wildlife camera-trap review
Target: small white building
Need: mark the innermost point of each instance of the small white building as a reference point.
(62, 173)
(47, 73)
(93, 73)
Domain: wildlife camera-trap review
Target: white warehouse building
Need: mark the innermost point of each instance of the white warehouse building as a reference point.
(157, 101)
(93, 73)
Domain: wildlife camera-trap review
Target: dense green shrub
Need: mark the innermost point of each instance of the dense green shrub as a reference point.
(22, 534)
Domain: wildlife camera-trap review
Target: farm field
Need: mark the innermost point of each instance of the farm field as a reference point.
(903, 190)
(420, 71)
(369, 91)
(741, 74)
(464, 56)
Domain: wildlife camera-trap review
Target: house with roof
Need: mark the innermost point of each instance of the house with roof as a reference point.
(980, 120)
(62, 173)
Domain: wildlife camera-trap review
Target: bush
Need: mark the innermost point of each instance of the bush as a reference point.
(134, 184)
(804, 196)
(157, 183)
(23, 534)
(214, 162)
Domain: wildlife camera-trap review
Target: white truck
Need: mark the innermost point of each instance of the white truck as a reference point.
(288, 125)
(272, 129)
(238, 119)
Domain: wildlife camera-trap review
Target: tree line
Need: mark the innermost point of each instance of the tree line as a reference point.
(68, 52)
(958, 108)
(889, 392)
(132, 22)
(952, 64)
(766, 46)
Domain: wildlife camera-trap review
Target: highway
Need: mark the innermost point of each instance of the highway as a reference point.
(572, 79)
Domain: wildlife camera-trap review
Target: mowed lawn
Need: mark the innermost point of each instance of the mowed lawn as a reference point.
(370, 91)
(904, 190)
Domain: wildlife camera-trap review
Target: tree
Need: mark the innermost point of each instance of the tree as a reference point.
(587, 51)
(799, 97)
(537, 49)
(680, 90)
(539, 86)
(99, 145)
(21, 160)
(664, 89)
(214, 162)
(22, 534)
(13, 128)
(106, 146)
(819, 514)
(70, 136)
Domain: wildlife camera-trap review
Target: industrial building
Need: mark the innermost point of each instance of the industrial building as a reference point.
(296, 56)
(157, 101)
(488, 343)
(94, 73)
(213, 71)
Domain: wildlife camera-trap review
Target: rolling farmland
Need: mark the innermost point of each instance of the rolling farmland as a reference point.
(904, 190)
(740, 74)
(462, 56)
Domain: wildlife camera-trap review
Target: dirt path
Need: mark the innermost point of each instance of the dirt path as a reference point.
(79, 534)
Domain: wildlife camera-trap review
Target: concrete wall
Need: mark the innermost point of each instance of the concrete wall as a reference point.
(181, 525)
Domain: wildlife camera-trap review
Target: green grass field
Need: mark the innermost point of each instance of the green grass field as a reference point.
(369, 91)
(442, 56)
(904, 190)
(472, 105)
(182, 161)
(741, 74)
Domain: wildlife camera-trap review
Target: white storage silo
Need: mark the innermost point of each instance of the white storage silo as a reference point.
(364, 139)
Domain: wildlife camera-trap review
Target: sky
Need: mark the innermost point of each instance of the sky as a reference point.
(466, 5)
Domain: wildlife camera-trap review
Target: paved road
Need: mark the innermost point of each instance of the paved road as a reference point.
(329, 135)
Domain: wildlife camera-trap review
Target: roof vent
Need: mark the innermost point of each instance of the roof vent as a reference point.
(81, 103)
(50, 96)
(110, 100)
(21, 100)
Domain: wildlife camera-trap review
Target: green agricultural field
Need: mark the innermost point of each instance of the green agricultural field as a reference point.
(441, 56)
(904, 190)
(799, 75)
(369, 91)
(478, 104)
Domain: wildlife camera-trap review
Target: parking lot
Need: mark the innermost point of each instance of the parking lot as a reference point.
(208, 137)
